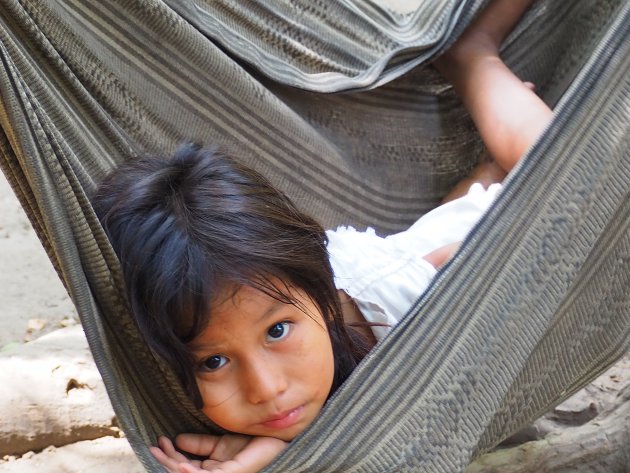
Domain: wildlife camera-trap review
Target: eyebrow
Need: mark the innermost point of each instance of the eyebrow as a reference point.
(274, 307)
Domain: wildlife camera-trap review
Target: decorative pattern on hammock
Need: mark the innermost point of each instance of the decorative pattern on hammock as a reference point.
(535, 304)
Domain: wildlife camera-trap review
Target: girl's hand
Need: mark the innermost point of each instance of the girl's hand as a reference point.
(226, 453)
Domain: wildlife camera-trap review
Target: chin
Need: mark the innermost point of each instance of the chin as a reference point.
(287, 436)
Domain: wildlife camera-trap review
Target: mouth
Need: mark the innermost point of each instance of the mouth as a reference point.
(284, 419)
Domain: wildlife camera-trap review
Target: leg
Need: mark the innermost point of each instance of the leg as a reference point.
(506, 111)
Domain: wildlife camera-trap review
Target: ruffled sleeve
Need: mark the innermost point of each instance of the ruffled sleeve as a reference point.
(385, 276)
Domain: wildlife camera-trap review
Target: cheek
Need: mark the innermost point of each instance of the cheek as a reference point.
(220, 404)
(322, 361)
(213, 390)
(216, 396)
(309, 360)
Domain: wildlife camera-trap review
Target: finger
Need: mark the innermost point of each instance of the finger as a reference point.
(213, 466)
(210, 464)
(229, 446)
(167, 462)
(169, 449)
(188, 468)
(197, 444)
(258, 454)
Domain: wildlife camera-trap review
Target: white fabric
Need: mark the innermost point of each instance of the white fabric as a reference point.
(385, 276)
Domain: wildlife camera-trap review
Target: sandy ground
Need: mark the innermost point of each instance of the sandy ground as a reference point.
(33, 302)
(32, 299)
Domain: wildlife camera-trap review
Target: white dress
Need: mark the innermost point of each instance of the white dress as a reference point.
(385, 276)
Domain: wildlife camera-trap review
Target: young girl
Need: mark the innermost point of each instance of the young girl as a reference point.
(260, 312)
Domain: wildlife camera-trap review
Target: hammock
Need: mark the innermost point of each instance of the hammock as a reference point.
(534, 305)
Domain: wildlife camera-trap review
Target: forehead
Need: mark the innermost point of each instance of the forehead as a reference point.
(241, 298)
(258, 303)
(240, 312)
(234, 314)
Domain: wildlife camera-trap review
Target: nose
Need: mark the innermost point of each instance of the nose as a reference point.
(263, 379)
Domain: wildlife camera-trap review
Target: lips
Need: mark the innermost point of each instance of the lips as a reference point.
(284, 419)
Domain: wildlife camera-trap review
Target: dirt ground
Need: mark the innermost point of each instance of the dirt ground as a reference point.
(32, 299)
(33, 302)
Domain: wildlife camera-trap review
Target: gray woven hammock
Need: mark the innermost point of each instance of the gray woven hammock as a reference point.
(534, 305)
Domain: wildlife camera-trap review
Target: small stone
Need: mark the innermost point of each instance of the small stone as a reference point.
(68, 322)
(35, 325)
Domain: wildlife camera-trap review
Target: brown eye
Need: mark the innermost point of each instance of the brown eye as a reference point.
(214, 362)
(278, 331)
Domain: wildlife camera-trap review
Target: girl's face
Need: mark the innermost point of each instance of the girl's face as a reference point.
(264, 367)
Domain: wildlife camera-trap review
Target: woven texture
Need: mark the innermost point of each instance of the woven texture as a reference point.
(534, 305)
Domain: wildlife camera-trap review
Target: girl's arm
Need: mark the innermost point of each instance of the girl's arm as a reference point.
(507, 113)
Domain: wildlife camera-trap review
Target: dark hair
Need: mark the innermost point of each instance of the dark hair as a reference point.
(188, 226)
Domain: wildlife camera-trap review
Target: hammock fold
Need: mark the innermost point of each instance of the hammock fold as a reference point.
(534, 305)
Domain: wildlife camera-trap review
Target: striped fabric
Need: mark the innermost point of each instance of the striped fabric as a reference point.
(534, 305)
